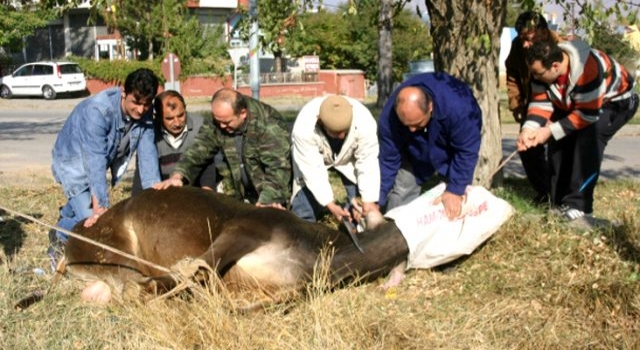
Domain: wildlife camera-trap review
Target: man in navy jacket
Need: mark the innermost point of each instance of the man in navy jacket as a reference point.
(430, 124)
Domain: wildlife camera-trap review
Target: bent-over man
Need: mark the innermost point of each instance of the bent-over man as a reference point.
(430, 124)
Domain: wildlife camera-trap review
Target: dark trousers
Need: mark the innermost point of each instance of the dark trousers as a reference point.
(305, 206)
(575, 160)
(534, 162)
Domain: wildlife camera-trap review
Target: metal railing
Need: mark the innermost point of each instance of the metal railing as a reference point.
(280, 78)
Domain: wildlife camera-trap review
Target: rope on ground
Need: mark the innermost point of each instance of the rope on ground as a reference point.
(89, 241)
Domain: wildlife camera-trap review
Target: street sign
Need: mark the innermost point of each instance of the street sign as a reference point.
(171, 72)
(236, 56)
(170, 67)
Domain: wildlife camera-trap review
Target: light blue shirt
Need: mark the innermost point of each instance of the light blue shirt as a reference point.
(88, 143)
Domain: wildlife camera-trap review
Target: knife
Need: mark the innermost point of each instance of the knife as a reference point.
(352, 230)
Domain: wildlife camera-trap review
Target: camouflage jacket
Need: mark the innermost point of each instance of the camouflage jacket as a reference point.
(267, 148)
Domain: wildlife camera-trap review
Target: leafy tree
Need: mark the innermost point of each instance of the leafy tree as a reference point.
(466, 38)
(157, 27)
(20, 19)
(351, 41)
(277, 21)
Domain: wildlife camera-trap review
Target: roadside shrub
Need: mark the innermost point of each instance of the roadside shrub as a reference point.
(115, 71)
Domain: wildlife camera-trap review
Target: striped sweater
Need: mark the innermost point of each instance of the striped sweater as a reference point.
(594, 79)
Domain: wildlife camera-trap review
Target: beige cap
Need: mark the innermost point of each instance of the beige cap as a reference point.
(336, 113)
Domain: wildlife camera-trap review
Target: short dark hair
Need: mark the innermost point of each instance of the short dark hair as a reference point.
(157, 102)
(142, 83)
(237, 100)
(530, 20)
(544, 51)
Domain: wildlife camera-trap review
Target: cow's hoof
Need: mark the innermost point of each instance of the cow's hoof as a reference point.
(97, 292)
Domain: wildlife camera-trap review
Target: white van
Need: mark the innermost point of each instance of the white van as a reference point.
(46, 79)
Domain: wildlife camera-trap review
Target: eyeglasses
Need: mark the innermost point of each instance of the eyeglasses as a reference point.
(539, 74)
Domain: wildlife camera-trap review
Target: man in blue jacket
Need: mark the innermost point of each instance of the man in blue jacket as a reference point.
(430, 124)
(102, 133)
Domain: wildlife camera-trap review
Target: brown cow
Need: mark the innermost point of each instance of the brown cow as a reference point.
(247, 246)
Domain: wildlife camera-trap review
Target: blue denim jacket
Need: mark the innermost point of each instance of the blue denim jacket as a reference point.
(88, 143)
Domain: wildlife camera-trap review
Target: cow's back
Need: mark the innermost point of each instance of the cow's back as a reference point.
(160, 226)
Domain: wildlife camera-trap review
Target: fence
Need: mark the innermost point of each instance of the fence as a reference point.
(280, 78)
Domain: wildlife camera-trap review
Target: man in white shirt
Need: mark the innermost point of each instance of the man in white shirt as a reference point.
(338, 133)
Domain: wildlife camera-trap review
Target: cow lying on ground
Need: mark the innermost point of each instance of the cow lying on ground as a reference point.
(249, 247)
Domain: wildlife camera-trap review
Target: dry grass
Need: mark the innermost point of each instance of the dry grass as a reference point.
(535, 285)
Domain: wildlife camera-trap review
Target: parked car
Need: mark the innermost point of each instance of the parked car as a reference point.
(46, 79)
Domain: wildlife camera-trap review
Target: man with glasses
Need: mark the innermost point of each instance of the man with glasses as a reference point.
(580, 98)
(253, 141)
(531, 27)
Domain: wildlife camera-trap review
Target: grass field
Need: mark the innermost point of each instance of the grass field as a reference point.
(536, 284)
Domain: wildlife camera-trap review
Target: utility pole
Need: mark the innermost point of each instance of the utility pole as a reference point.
(254, 50)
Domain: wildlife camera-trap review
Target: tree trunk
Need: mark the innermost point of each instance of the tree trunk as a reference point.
(385, 48)
(466, 40)
(277, 61)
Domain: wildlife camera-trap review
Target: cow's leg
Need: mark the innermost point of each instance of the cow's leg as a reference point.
(230, 247)
(395, 276)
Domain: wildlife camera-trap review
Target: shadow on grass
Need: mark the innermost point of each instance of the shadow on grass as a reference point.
(12, 235)
(621, 241)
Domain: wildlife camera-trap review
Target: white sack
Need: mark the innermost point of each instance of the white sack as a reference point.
(434, 240)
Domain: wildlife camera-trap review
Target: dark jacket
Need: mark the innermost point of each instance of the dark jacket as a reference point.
(450, 143)
(518, 75)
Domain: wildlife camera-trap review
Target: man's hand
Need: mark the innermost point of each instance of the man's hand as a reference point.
(529, 138)
(525, 140)
(175, 180)
(97, 212)
(452, 204)
(337, 211)
(270, 205)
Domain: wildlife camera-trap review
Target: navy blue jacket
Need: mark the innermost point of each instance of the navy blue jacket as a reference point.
(450, 143)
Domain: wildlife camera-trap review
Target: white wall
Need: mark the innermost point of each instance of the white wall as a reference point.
(508, 34)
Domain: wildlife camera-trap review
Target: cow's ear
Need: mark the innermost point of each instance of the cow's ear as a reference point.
(374, 219)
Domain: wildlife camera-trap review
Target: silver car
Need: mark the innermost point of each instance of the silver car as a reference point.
(46, 79)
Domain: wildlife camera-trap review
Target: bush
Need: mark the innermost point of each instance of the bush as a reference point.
(115, 71)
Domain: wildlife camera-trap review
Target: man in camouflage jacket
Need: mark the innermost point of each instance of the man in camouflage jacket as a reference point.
(255, 146)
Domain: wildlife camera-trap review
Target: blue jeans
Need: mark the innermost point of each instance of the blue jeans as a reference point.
(305, 206)
(77, 209)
